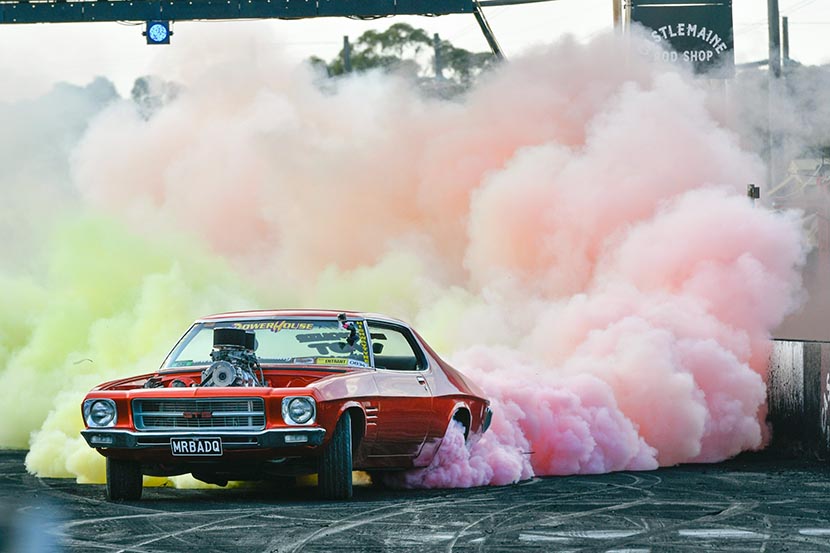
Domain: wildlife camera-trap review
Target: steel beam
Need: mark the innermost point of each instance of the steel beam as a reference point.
(190, 10)
(488, 32)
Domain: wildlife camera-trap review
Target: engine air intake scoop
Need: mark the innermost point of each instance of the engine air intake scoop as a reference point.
(230, 337)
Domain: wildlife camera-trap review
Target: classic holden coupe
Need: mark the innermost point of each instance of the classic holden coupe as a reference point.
(271, 394)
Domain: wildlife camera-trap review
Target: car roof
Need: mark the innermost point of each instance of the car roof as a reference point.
(297, 313)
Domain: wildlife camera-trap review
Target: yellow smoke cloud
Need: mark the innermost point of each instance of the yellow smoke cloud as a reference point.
(110, 303)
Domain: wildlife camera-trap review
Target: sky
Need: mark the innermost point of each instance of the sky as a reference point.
(33, 57)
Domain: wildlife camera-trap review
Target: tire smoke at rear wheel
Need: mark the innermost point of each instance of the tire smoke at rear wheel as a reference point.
(334, 479)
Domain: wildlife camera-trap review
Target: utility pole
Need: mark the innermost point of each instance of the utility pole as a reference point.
(785, 36)
(617, 10)
(774, 21)
(772, 84)
(439, 66)
(347, 55)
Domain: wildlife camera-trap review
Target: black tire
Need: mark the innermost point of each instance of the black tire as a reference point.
(334, 477)
(124, 480)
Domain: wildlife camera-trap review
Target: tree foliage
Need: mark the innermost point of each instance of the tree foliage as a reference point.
(150, 93)
(410, 51)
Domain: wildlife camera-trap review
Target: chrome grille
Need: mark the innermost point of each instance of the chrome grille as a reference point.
(189, 414)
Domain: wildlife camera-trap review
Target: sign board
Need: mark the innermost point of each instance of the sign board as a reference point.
(699, 33)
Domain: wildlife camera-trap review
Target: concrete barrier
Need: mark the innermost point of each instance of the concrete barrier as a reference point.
(798, 392)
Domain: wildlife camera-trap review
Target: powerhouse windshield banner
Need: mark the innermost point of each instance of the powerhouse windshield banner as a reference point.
(698, 32)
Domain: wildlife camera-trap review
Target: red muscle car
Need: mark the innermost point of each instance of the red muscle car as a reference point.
(267, 394)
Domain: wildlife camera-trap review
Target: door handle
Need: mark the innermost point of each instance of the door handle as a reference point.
(421, 380)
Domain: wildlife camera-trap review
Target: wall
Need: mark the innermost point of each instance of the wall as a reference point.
(799, 396)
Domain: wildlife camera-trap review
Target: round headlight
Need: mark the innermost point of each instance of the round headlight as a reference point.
(101, 413)
(300, 410)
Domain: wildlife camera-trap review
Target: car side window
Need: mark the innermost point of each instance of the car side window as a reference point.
(395, 348)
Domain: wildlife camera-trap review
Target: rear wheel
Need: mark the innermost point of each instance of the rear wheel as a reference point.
(124, 480)
(334, 478)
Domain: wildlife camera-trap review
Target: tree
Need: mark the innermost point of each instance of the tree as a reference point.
(462, 65)
(407, 50)
(150, 93)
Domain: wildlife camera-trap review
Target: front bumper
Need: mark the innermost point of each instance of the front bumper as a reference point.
(114, 438)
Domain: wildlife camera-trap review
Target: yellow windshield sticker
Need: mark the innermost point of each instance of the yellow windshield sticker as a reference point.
(274, 326)
(331, 361)
(361, 332)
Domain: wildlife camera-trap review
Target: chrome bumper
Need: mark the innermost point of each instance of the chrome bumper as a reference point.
(114, 438)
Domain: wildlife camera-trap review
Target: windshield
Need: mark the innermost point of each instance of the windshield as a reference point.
(281, 341)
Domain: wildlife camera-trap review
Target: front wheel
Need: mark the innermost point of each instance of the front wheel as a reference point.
(124, 480)
(334, 478)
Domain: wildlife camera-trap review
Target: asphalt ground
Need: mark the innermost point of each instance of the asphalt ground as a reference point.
(753, 503)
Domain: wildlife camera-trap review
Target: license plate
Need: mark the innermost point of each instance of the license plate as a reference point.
(196, 446)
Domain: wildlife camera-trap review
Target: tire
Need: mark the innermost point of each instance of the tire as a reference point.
(334, 477)
(124, 480)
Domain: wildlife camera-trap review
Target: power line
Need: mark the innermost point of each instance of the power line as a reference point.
(785, 11)
(802, 4)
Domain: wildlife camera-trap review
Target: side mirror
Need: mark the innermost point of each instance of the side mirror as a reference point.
(377, 348)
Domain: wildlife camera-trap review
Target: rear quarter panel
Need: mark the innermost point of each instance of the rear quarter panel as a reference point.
(452, 392)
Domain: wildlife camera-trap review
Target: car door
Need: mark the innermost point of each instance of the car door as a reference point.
(402, 377)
